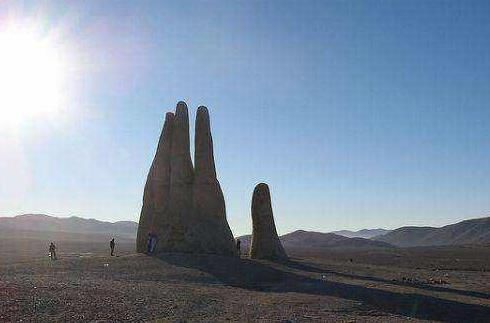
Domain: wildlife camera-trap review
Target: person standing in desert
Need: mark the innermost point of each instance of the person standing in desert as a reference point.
(52, 251)
(112, 244)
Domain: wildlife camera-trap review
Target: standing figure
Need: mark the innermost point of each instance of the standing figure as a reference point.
(238, 243)
(148, 244)
(112, 245)
(52, 251)
(151, 244)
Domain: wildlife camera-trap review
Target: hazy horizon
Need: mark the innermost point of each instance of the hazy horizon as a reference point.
(357, 114)
(245, 233)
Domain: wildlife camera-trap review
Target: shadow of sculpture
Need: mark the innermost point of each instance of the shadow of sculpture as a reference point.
(231, 271)
(310, 268)
(266, 277)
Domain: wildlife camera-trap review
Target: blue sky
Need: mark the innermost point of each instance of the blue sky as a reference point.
(358, 114)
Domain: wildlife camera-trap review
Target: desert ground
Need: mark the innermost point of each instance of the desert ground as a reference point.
(87, 284)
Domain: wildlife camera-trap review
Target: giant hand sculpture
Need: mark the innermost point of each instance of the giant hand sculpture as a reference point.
(184, 207)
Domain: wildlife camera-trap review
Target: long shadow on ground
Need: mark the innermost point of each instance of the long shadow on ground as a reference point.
(311, 268)
(259, 276)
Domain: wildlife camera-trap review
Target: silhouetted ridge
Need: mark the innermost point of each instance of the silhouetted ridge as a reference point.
(74, 224)
(475, 231)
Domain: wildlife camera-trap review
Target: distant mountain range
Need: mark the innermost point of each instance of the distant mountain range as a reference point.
(364, 233)
(475, 231)
(46, 223)
(301, 239)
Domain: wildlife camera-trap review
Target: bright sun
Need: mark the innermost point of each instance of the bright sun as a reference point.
(30, 76)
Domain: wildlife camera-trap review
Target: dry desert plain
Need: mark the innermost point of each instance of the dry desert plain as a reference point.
(86, 284)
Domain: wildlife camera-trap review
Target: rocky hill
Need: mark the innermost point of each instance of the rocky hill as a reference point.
(46, 223)
(475, 231)
(301, 239)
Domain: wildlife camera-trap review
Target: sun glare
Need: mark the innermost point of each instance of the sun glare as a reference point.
(30, 77)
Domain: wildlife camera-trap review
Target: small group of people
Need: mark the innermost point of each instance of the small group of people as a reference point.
(151, 244)
(52, 249)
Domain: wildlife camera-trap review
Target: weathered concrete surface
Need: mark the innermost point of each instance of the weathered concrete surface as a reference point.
(265, 241)
(157, 187)
(173, 232)
(208, 200)
(187, 213)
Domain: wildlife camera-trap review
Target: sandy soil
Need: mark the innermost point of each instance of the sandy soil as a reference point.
(92, 286)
